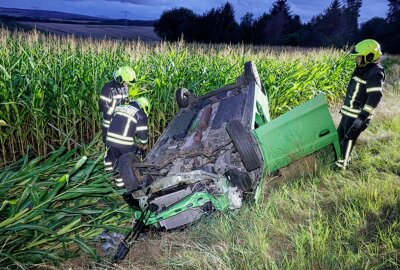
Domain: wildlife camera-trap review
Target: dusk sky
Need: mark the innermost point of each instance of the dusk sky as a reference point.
(152, 9)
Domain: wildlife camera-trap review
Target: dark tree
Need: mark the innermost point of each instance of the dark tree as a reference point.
(351, 15)
(278, 27)
(336, 26)
(259, 34)
(374, 28)
(219, 25)
(329, 22)
(176, 22)
(247, 28)
(393, 16)
(206, 29)
(385, 31)
(328, 28)
(280, 7)
(275, 29)
(228, 27)
(391, 37)
(294, 33)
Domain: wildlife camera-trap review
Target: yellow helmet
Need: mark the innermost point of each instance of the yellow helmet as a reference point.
(125, 74)
(144, 104)
(369, 49)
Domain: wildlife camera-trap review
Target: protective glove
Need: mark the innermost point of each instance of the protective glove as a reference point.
(140, 153)
(357, 126)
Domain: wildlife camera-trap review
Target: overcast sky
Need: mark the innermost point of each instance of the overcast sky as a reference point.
(152, 9)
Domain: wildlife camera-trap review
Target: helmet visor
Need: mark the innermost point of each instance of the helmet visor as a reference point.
(355, 52)
(131, 82)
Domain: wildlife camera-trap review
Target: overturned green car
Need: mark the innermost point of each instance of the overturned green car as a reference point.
(218, 148)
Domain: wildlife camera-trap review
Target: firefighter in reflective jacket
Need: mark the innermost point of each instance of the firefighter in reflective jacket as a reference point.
(115, 93)
(128, 126)
(364, 93)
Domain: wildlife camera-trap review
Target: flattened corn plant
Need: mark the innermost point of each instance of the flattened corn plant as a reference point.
(49, 86)
(51, 207)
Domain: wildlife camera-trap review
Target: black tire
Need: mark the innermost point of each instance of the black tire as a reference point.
(243, 141)
(183, 97)
(241, 180)
(127, 171)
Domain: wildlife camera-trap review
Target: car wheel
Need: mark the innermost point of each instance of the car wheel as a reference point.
(183, 97)
(241, 180)
(127, 171)
(243, 142)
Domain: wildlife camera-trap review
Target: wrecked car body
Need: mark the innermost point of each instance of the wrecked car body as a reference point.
(218, 148)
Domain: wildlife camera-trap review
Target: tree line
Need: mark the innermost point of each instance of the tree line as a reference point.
(336, 26)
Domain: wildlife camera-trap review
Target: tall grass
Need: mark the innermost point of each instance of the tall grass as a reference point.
(50, 81)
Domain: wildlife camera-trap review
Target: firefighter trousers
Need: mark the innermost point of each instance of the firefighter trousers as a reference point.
(104, 133)
(347, 145)
(111, 161)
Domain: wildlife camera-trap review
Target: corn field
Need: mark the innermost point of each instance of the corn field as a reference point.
(54, 204)
(49, 86)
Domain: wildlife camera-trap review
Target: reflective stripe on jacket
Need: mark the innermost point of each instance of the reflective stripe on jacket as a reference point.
(112, 95)
(129, 123)
(364, 91)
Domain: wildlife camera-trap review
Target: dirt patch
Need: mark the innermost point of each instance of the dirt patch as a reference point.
(375, 223)
(144, 254)
(79, 263)
(300, 168)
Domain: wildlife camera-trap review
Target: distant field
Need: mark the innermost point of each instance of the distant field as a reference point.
(98, 31)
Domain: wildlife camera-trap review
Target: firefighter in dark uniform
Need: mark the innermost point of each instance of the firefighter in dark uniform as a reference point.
(364, 93)
(128, 127)
(114, 93)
